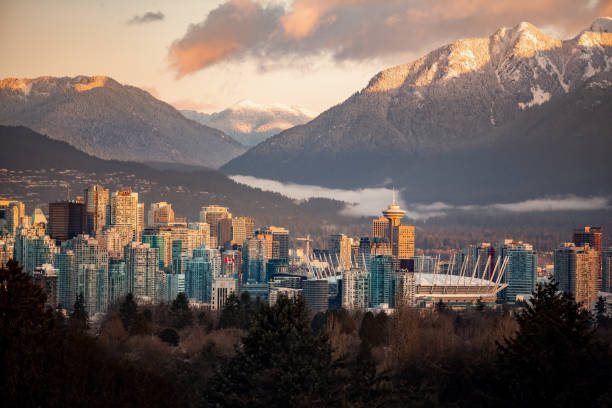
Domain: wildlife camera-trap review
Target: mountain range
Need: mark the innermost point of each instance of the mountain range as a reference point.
(104, 118)
(512, 116)
(251, 123)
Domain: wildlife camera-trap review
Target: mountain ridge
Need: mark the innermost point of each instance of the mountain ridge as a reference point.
(251, 123)
(472, 94)
(104, 118)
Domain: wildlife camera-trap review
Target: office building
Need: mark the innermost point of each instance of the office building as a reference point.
(231, 263)
(403, 244)
(254, 258)
(160, 214)
(380, 228)
(316, 292)
(96, 201)
(281, 236)
(211, 215)
(222, 287)
(67, 219)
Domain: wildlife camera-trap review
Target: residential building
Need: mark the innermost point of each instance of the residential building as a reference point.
(578, 271)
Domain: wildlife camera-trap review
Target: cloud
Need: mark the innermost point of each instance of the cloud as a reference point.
(360, 29)
(362, 202)
(371, 201)
(569, 203)
(147, 17)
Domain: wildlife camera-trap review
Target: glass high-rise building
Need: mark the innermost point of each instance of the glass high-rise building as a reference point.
(142, 270)
(381, 280)
(67, 219)
(521, 271)
(96, 201)
(606, 270)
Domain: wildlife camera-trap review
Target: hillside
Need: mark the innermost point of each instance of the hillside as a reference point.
(109, 120)
(512, 116)
(38, 170)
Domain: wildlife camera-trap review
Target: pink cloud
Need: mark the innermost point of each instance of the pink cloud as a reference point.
(360, 29)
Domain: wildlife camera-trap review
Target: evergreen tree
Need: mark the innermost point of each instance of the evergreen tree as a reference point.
(170, 336)
(25, 337)
(181, 314)
(230, 315)
(373, 330)
(554, 358)
(79, 318)
(280, 362)
(601, 316)
(128, 311)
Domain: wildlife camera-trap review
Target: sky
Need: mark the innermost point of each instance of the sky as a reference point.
(207, 55)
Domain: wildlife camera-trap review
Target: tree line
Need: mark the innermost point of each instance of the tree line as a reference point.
(549, 352)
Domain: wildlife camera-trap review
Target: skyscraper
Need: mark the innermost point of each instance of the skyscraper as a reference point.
(67, 219)
(281, 235)
(588, 235)
(316, 293)
(381, 280)
(160, 214)
(403, 246)
(124, 210)
(400, 237)
(142, 264)
(211, 215)
(97, 201)
(578, 271)
(380, 228)
(198, 278)
(355, 289)
(339, 247)
(606, 270)
(254, 258)
(521, 270)
(234, 230)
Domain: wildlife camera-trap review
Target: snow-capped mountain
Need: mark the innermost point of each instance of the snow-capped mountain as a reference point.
(443, 124)
(251, 123)
(109, 120)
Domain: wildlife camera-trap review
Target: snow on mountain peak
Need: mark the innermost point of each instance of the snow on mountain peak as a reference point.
(601, 25)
